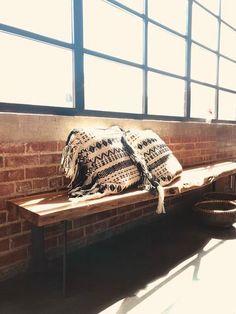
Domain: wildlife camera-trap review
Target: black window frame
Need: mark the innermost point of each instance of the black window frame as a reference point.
(79, 51)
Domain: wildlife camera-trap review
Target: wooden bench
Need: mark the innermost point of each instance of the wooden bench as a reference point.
(45, 209)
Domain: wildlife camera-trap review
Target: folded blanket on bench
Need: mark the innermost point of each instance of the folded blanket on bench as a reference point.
(101, 162)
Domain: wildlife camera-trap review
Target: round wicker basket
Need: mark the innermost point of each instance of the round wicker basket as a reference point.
(216, 213)
(220, 196)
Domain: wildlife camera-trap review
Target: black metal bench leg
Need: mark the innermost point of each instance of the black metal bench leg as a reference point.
(65, 225)
(38, 254)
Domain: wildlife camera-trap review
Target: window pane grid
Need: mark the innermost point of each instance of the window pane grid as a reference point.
(134, 56)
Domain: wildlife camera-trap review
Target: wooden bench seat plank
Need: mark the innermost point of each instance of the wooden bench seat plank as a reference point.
(48, 208)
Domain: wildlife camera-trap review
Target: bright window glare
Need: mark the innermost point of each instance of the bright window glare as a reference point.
(111, 86)
(165, 51)
(227, 106)
(133, 4)
(34, 73)
(204, 65)
(111, 30)
(228, 36)
(171, 13)
(228, 9)
(202, 102)
(205, 27)
(212, 5)
(51, 18)
(227, 74)
(165, 95)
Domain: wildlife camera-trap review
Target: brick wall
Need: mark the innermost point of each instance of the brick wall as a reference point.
(30, 165)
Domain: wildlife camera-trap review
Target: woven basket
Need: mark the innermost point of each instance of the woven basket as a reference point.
(216, 213)
(220, 196)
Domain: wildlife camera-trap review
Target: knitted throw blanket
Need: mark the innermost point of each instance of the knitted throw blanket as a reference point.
(98, 164)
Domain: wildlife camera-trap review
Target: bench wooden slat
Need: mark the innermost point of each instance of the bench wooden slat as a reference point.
(48, 208)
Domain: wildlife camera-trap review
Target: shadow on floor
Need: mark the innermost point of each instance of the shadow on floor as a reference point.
(111, 270)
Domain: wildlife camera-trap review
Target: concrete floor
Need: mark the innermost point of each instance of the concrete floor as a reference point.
(172, 266)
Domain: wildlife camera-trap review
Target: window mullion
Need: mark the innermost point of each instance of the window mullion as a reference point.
(78, 55)
(188, 60)
(218, 66)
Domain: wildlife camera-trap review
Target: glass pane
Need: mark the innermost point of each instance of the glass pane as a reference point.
(111, 86)
(204, 65)
(34, 73)
(227, 74)
(136, 5)
(202, 102)
(212, 5)
(227, 106)
(113, 31)
(228, 9)
(171, 13)
(161, 45)
(50, 18)
(228, 36)
(165, 95)
(204, 27)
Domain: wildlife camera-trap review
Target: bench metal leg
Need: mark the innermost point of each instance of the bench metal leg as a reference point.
(64, 258)
(38, 255)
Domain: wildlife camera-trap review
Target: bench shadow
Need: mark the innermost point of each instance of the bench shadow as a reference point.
(112, 270)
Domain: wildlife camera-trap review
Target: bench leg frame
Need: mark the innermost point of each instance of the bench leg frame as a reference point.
(64, 258)
(38, 252)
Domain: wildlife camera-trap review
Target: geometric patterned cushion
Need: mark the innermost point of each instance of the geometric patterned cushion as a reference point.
(159, 159)
(98, 163)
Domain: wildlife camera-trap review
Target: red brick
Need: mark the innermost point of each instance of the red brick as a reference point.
(1, 161)
(51, 243)
(40, 184)
(149, 210)
(20, 240)
(20, 161)
(3, 217)
(189, 146)
(134, 214)
(13, 214)
(84, 221)
(56, 183)
(118, 220)
(74, 235)
(2, 202)
(6, 189)
(106, 214)
(24, 186)
(50, 159)
(175, 139)
(12, 148)
(125, 209)
(4, 245)
(61, 145)
(41, 147)
(40, 172)
(25, 226)
(7, 230)
(13, 257)
(96, 228)
(53, 230)
(11, 175)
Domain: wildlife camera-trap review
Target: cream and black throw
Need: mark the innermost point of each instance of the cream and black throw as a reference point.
(159, 159)
(98, 164)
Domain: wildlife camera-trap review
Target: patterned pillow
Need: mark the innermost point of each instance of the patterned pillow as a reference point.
(159, 159)
(97, 163)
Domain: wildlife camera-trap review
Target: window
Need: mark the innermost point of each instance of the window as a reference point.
(161, 45)
(164, 59)
(166, 95)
